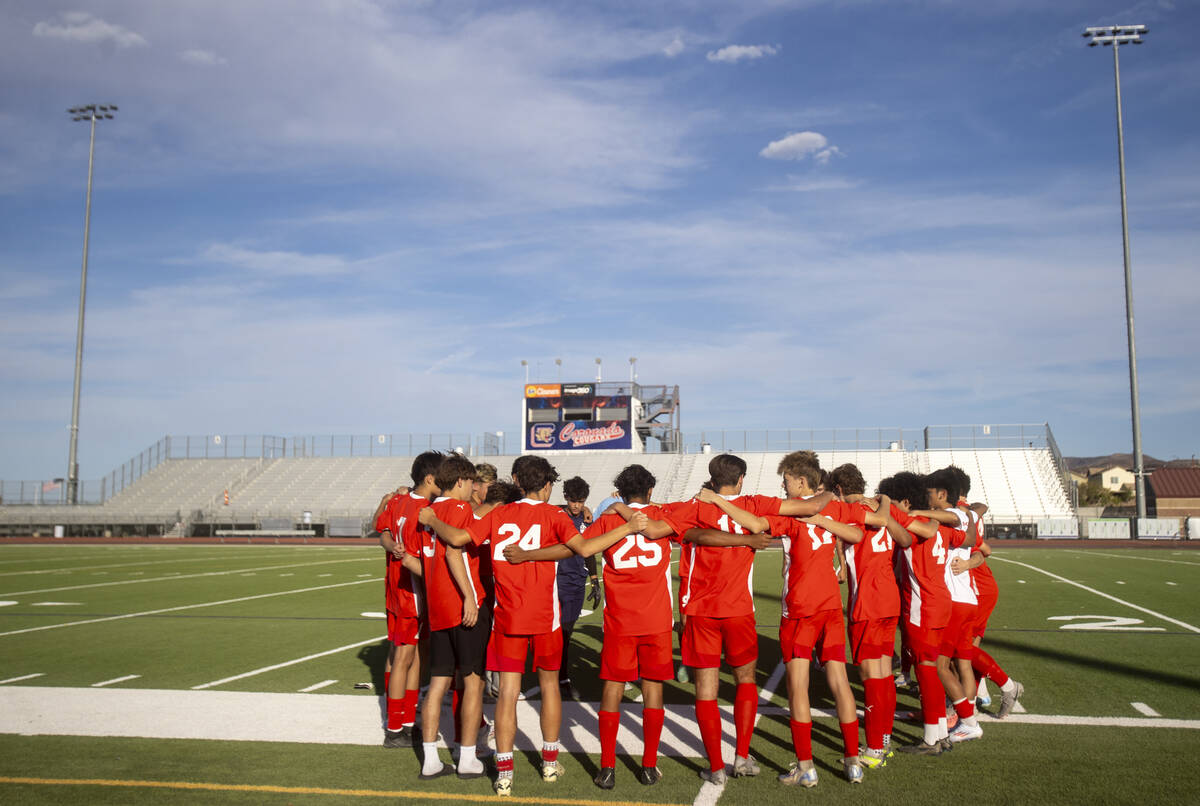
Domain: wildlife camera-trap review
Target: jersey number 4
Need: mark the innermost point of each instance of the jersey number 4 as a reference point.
(650, 553)
(511, 533)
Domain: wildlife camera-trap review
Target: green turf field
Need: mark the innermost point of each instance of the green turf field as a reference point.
(1107, 644)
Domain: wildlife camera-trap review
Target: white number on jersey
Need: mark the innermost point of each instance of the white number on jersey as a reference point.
(882, 541)
(511, 533)
(939, 551)
(650, 553)
(730, 526)
(819, 536)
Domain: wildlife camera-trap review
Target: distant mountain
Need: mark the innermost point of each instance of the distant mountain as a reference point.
(1080, 463)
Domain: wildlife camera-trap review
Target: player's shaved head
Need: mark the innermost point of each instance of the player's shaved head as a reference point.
(634, 481)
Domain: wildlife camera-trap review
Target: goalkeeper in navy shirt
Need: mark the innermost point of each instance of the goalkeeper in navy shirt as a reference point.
(574, 573)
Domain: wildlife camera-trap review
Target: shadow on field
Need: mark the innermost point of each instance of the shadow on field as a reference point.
(374, 657)
(1133, 670)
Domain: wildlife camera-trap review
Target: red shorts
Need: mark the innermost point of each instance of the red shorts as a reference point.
(958, 637)
(874, 638)
(507, 653)
(704, 637)
(984, 612)
(798, 636)
(404, 629)
(925, 642)
(625, 658)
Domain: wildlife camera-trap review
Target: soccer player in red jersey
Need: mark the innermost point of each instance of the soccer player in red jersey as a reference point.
(459, 622)
(526, 610)
(400, 534)
(718, 605)
(930, 605)
(812, 612)
(874, 611)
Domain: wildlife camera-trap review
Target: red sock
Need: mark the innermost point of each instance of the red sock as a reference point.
(965, 708)
(652, 725)
(933, 696)
(985, 666)
(387, 682)
(550, 753)
(395, 713)
(802, 740)
(850, 738)
(456, 710)
(410, 705)
(504, 762)
(708, 717)
(609, 722)
(889, 711)
(875, 710)
(745, 708)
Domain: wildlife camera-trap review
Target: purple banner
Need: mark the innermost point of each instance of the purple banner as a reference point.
(577, 436)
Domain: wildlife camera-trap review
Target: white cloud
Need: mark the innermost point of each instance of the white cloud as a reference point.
(277, 264)
(803, 185)
(798, 145)
(80, 26)
(205, 58)
(674, 49)
(735, 53)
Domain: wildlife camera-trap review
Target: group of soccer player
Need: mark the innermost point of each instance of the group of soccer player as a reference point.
(471, 575)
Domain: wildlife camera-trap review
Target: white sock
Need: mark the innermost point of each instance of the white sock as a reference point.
(931, 734)
(943, 731)
(982, 691)
(971, 722)
(1009, 687)
(467, 761)
(432, 764)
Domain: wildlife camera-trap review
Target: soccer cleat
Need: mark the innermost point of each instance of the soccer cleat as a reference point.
(552, 771)
(964, 733)
(398, 738)
(606, 778)
(872, 759)
(888, 750)
(1008, 699)
(714, 777)
(503, 786)
(800, 774)
(951, 719)
(745, 767)
(922, 748)
(649, 776)
(853, 770)
(946, 744)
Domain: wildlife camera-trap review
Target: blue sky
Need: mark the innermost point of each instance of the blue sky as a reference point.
(359, 216)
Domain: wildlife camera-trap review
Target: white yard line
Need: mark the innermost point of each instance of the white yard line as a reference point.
(316, 686)
(173, 577)
(1123, 557)
(116, 680)
(212, 558)
(186, 607)
(1110, 597)
(708, 795)
(1142, 708)
(22, 677)
(272, 668)
(771, 689)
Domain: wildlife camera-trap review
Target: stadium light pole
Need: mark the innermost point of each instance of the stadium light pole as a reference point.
(598, 370)
(90, 113)
(1115, 36)
(525, 364)
(632, 371)
(558, 363)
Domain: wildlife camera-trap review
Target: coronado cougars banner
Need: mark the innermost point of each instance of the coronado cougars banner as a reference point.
(580, 435)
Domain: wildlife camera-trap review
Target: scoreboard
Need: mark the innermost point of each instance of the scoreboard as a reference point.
(580, 416)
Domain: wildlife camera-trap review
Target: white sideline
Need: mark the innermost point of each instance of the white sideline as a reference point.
(104, 683)
(209, 558)
(174, 577)
(244, 675)
(187, 607)
(1123, 557)
(1110, 597)
(22, 677)
(355, 719)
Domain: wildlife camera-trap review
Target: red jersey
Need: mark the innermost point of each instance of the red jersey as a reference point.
(872, 580)
(405, 593)
(985, 583)
(720, 579)
(527, 593)
(637, 577)
(441, 591)
(926, 557)
(809, 581)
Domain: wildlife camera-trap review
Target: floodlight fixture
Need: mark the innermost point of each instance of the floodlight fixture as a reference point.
(1115, 36)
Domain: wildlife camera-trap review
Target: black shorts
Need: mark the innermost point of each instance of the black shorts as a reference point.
(460, 648)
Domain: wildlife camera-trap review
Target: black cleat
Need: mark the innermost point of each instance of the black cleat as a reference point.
(606, 778)
(398, 738)
(649, 776)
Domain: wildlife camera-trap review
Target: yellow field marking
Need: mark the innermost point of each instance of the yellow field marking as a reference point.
(315, 790)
